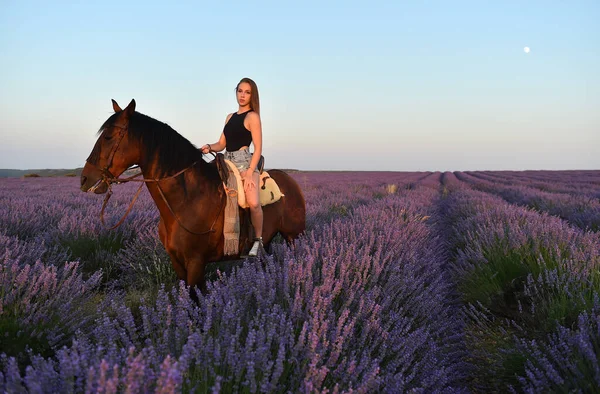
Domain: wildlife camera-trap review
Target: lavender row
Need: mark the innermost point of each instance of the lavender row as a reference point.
(556, 184)
(432, 180)
(527, 279)
(450, 182)
(574, 177)
(579, 210)
(47, 208)
(330, 195)
(42, 305)
(360, 304)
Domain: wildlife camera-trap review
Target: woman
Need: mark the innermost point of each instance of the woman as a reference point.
(241, 129)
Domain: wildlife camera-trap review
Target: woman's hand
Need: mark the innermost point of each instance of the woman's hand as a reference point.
(248, 180)
(205, 148)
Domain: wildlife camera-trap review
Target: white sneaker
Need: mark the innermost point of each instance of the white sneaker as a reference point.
(255, 248)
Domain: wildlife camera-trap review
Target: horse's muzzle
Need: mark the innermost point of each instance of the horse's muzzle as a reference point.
(99, 187)
(83, 181)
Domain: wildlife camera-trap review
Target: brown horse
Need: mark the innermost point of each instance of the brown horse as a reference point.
(187, 190)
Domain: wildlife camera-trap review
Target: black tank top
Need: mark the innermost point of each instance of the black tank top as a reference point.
(236, 134)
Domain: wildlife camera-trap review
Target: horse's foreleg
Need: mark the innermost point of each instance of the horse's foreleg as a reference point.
(177, 265)
(179, 268)
(195, 277)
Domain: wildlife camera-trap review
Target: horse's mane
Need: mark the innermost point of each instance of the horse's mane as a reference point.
(160, 142)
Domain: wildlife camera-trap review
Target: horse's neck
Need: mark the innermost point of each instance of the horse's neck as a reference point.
(198, 171)
(183, 187)
(193, 182)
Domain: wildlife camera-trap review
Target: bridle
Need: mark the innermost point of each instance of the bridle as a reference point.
(108, 178)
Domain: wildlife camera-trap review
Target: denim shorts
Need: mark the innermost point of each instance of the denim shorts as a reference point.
(240, 158)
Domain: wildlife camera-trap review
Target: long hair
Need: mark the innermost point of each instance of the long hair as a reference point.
(254, 100)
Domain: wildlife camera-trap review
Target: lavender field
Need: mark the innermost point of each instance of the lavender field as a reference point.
(403, 282)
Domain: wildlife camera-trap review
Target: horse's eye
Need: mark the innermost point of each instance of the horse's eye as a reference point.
(108, 137)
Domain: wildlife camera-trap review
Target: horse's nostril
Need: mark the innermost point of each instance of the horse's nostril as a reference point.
(83, 180)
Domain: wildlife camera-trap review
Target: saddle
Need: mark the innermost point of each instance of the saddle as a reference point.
(232, 183)
(269, 191)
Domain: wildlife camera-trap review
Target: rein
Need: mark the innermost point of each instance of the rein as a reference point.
(109, 179)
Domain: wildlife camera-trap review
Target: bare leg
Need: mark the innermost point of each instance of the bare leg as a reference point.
(256, 213)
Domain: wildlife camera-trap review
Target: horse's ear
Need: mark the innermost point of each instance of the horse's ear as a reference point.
(116, 106)
(130, 108)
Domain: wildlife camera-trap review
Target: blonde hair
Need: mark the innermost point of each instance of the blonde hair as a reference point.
(254, 100)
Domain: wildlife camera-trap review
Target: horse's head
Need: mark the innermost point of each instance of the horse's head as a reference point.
(113, 153)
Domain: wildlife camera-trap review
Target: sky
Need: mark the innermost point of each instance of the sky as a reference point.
(344, 85)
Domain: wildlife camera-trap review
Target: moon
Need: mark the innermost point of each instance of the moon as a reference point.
(526, 49)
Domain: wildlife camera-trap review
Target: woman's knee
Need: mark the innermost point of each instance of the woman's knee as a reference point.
(253, 199)
(253, 202)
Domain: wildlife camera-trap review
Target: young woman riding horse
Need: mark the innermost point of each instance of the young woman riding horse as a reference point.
(187, 190)
(241, 129)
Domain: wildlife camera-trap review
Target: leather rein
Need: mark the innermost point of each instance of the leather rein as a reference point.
(108, 178)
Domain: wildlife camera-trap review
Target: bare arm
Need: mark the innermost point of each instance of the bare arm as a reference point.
(255, 127)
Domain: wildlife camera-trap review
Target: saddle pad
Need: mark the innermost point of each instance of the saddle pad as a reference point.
(269, 191)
